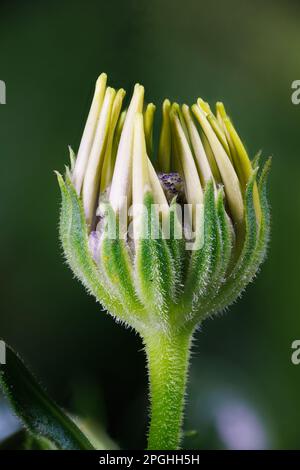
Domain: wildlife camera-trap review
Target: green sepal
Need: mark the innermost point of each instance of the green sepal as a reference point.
(202, 259)
(176, 245)
(265, 225)
(72, 158)
(251, 230)
(74, 238)
(254, 250)
(235, 282)
(256, 160)
(216, 253)
(39, 414)
(226, 235)
(117, 263)
(222, 258)
(154, 267)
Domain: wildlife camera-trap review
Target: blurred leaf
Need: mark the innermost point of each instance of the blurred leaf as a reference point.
(41, 416)
(190, 433)
(16, 441)
(23, 440)
(88, 403)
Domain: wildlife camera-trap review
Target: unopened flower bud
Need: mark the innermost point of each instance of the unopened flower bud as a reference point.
(162, 237)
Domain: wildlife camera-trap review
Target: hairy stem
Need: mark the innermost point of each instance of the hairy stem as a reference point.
(168, 359)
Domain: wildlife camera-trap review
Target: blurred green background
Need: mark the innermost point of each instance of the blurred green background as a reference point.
(243, 389)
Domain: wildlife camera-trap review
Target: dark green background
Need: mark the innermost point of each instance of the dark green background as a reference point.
(244, 53)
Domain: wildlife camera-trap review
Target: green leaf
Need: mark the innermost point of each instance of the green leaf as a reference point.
(39, 413)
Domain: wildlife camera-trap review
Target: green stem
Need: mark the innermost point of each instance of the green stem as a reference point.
(168, 359)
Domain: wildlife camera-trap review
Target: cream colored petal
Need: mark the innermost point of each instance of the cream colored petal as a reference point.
(149, 118)
(140, 169)
(228, 174)
(242, 162)
(117, 137)
(241, 159)
(122, 177)
(175, 162)
(107, 169)
(164, 147)
(157, 190)
(204, 106)
(89, 133)
(211, 158)
(221, 114)
(140, 172)
(177, 110)
(175, 156)
(199, 152)
(91, 180)
(218, 129)
(193, 189)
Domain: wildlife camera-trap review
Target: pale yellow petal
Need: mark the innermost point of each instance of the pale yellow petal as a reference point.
(91, 180)
(240, 157)
(140, 172)
(122, 177)
(107, 169)
(89, 133)
(202, 163)
(193, 189)
(218, 129)
(149, 118)
(164, 148)
(228, 174)
(157, 190)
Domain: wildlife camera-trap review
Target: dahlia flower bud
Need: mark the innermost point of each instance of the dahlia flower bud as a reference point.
(163, 241)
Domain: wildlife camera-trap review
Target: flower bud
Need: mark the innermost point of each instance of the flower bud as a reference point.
(163, 242)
